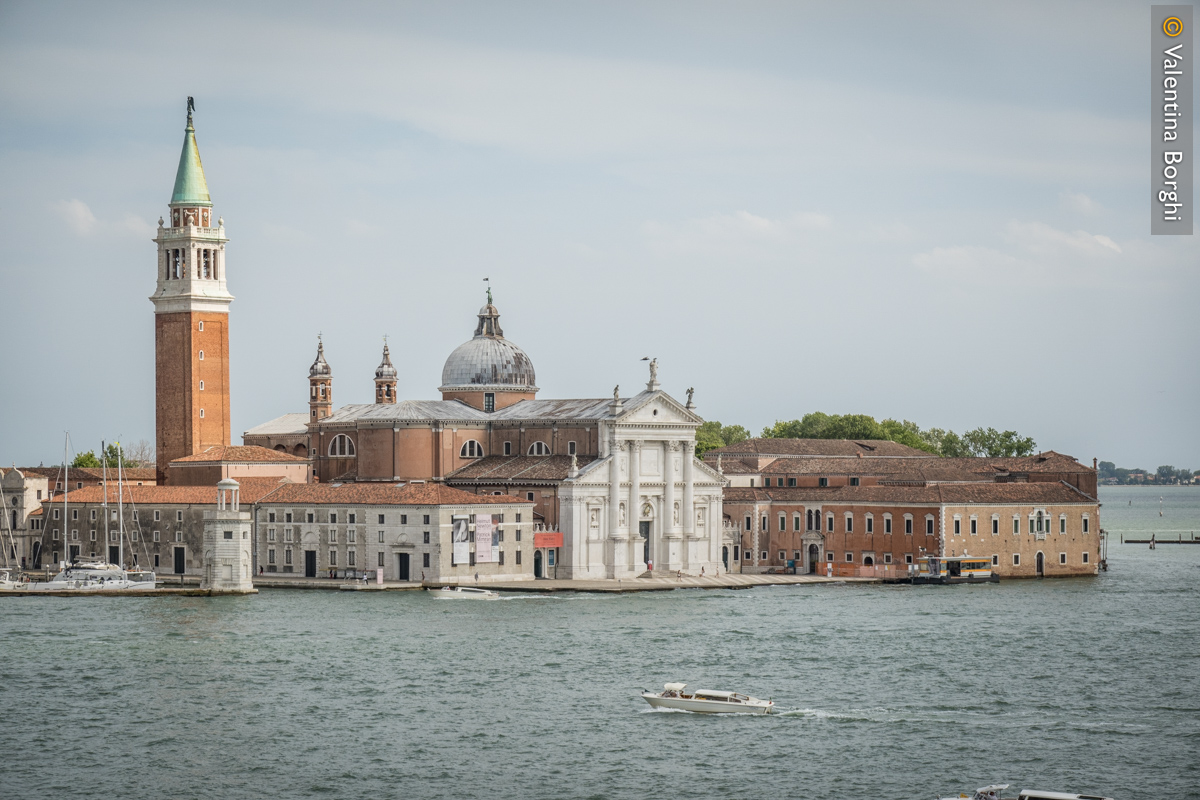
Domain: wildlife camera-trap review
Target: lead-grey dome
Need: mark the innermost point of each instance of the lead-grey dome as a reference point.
(488, 361)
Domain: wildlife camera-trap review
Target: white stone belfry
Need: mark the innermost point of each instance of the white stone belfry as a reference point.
(227, 545)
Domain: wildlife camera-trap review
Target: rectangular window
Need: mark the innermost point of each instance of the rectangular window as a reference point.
(350, 554)
(426, 520)
(518, 516)
(426, 537)
(310, 517)
(764, 555)
(974, 526)
(472, 561)
(995, 526)
(1062, 558)
(333, 558)
(425, 559)
(518, 557)
(351, 535)
(287, 556)
(529, 496)
(849, 524)
(489, 402)
(502, 558)
(570, 448)
(333, 518)
(1016, 524)
(764, 527)
(747, 523)
(179, 536)
(381, 537)
(957, 527)
(822, 481)
(887, 524)
(156, 536)
(908, 558)
(829, 523)
(1016, 559)
(908, 526)
(796, 522)
(333, 537)
(157, 516)
(287, 517)
(228, 534)
(929, 526)
(870, 524)
(381, 519)
(854, 481)
(93, 516)
(156, 560)
(887, 558)
(995, 560)
(1031, 525)
(352, 519)
(849, 558)
(404, 519)
(518, 533)
(1062, 524)
(829, 556)
(1085, 557)
(1086, 524)
(748, 556)
(179, 516)
(271, 516)
(270, 555)
(508, 448)
(791, 482)
(782, 555)
(782, 523)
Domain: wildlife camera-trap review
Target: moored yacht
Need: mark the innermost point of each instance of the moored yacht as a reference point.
(90, 576)
(677, 696)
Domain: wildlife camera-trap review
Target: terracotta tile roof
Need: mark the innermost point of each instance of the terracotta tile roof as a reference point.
(252, 489)
(410, 494)
(734, 466)
(817, 447)
(920, 469)
(240, 453)
(91, 474)
(979, 493)
(517, 469)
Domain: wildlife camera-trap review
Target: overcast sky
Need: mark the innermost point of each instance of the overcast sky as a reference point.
(927, 211)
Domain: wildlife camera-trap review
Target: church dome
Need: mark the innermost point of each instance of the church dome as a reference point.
(320, 367)
(488, 360)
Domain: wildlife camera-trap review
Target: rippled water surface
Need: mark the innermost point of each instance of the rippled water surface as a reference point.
(1087, 685)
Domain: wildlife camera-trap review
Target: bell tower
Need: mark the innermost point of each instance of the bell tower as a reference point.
(320, 386)
(191, 318)
(385, 379)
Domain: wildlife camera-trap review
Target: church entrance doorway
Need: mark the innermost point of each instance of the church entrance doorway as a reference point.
(179, 551)
(537, 564)
(114, 555)
(644, 532)
(310, 563)
(814, 555)
(402, 566)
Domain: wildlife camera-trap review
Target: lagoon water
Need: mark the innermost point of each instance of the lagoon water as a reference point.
(1087, 685)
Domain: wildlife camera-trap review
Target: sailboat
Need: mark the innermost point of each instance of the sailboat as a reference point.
(91, 575)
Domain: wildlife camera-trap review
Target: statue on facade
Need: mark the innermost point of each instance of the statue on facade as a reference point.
(653, 370)
(617, 393)
(691, 391)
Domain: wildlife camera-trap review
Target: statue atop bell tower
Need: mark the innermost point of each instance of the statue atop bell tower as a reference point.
(191, 318)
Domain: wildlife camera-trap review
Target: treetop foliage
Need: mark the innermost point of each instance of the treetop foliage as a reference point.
(979, 442)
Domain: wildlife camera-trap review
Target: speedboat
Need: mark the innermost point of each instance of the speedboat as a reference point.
(993, 793)
(463, 593)
(92, 576)
(7, 582)
(676, 695)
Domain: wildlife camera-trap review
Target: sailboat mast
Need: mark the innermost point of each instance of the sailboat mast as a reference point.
(120, 512)
(66, 486)
(104, 501)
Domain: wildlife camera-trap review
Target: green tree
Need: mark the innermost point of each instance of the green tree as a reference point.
(87, 459)
(906, 433)
(713, 434)
(1165, 474)
(994, 444)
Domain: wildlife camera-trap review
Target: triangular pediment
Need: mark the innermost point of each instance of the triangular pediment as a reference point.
(656, 408)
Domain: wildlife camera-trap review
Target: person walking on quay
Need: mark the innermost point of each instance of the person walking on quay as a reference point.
(477, 577)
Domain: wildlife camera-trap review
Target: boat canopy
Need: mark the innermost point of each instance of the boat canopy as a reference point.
(674, 687)
(722, 695)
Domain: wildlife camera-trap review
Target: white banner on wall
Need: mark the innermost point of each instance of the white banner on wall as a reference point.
(462, 543)
(483, 538)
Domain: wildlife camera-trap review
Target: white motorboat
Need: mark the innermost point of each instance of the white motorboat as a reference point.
(91, 576)
(463, 593)
(7, 582)
(677, 696)
(994, 792)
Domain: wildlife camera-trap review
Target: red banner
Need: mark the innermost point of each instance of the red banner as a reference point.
(548, 539)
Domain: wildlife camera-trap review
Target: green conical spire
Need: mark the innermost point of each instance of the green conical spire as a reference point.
(190, 187)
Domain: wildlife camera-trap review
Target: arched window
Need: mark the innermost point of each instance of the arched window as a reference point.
(342, 445)
(539, 449)
(471, 449)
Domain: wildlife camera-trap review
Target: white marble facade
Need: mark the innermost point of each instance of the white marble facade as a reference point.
(646, 499)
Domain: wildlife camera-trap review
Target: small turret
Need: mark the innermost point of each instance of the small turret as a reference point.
(385, 379)
(320, 386)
